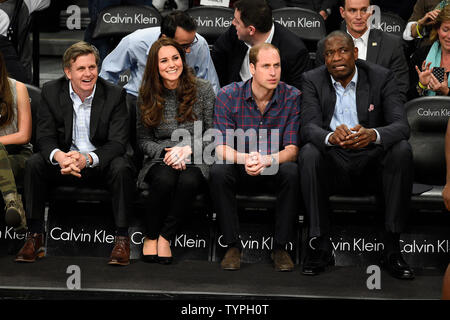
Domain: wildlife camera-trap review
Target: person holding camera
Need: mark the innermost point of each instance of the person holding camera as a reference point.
(432, 63)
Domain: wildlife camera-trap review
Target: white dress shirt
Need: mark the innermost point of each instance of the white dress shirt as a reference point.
(361, 43)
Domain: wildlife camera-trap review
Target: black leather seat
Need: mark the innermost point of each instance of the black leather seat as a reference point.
(389, 22)
(119, 21)
(211, 21)
(306, 24)
(428, 117)
(392, 23)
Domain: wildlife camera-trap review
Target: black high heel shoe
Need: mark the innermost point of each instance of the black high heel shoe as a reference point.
(150, 258)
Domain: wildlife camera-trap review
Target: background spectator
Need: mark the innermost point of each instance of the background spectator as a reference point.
(17, 51)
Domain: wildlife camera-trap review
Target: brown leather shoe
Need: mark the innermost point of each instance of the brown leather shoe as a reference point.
(120, 254)
(282, 261)
(231, 260)
(32, 249)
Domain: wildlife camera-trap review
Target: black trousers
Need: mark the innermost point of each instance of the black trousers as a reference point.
(172, 193)
(388, 173)
(227, 179)
(118, 177)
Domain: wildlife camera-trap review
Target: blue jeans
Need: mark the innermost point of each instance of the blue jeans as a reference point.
(97, 6)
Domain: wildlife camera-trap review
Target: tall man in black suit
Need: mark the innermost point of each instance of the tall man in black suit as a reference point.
(355, 131)
(82, 134)
(373, 45)
(252, 25)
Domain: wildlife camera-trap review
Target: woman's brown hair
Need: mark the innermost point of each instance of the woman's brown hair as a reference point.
(443, 16)
(151, 92)
(6, 97)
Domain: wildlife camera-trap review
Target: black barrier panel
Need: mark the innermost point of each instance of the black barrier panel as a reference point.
(123, 20)
(191, 243)
(83, 229)
(428, 117)
(421, 247)
(211, 21)
(306, 24)
(256, 242)
(87, 229)
(10, 241)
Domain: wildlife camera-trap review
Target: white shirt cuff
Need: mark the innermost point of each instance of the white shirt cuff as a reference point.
(51, 157)
(407, 36)
(326, 139)
(378, 141)
(95, 159)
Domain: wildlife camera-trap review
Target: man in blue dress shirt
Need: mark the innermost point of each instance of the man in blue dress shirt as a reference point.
(355, 134)
(131, 52)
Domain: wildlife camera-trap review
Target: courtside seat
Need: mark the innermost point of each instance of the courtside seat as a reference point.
(392, 23)
(306, 24)
(428, 117)
(389, 22)
(256, 200)
(352, 203)
(119, 21)
(211, 21)
(430, 200)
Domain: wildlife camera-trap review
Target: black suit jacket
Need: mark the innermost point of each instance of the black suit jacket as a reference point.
(109, 123)
(386, 50)
(228, 53)
(375, 86)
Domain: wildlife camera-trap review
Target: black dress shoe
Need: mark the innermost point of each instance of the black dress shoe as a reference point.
(317, 261)
(165, 260)
(150, 258)
(396, 266)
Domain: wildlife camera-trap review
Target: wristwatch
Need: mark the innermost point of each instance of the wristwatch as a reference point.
(88, 162)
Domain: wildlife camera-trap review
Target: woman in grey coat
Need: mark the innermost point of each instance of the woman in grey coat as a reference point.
(172, 101)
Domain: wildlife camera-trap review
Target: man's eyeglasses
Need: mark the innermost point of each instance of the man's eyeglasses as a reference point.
(188, 45)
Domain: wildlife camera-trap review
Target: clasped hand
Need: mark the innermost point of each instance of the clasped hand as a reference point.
(177, 157)
(359, 138)
(71, 162)
(255, 163)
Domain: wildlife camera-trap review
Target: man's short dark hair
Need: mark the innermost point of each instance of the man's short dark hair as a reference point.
(176, 19)
(340, 34)
(255, 13)
(342, 3)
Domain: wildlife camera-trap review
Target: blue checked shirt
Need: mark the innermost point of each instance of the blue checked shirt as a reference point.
(266, 133)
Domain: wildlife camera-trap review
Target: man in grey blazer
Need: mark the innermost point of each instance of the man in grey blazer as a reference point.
(354, 132)
(373, 45)
(82, 134)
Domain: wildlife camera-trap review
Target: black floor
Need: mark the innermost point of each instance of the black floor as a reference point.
(47, 279)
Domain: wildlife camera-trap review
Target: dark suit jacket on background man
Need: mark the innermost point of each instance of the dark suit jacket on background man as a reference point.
(228, 54)
(386, 50)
